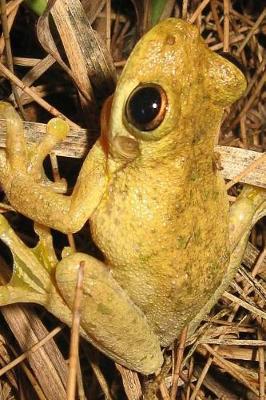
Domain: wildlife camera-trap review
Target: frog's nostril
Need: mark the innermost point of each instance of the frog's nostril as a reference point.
(146, 107)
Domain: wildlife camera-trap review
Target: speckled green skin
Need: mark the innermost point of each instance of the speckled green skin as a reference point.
(156, 203)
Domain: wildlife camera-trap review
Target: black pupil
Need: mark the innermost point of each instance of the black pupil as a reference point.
(144, 105)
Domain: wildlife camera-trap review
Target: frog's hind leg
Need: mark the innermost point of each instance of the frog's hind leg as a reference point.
(112, 322)
(249, 207)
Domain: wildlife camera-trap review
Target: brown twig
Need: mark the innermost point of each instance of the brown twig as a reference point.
(245, 305)
(74, 342)
(108, 24)
(261, 367)
(226, 32)
(250, 101)
(8, 74)
(252, 31)
(23, 356)
(11, 18)
(178, 363)
(198, 11)
(131, 382)
(229, 368)
(216, 20)
(184, 9)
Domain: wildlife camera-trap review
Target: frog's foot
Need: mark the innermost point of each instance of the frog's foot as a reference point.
(21, 159)
(33, 270)
(112, 322)
(249, 207)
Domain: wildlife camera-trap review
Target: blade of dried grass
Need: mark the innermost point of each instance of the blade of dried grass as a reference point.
(233, 342)
(239, 353)
(22, 61)
(91, 66)
(251, 255)
(80, 40)
(257, 163)
(12, 5)
(38, 69)
(5, 359)
(236, 161)
(47, 363)
(212, 384)
(33, 381)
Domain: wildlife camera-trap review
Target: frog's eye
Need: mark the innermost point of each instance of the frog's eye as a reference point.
(146, 107)
(233, 60)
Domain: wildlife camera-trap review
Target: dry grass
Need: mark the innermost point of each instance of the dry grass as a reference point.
(225, 359)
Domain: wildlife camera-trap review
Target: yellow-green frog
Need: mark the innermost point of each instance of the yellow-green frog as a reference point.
(156, 203)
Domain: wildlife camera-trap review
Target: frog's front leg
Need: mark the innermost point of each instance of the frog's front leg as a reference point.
(21, 176)
(110, 319)
(249, 207)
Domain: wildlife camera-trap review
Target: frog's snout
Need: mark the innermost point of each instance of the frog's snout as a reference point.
(124, 147)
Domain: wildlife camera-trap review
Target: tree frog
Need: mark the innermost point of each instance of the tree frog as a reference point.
(156, 202)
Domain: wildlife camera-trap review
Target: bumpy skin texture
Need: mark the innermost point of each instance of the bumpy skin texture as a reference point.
(163, 221)
(156, 203)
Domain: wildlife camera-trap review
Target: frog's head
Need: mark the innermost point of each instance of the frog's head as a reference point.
(171, 93)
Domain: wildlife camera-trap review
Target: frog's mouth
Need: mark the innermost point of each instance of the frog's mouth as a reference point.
(119, 146)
